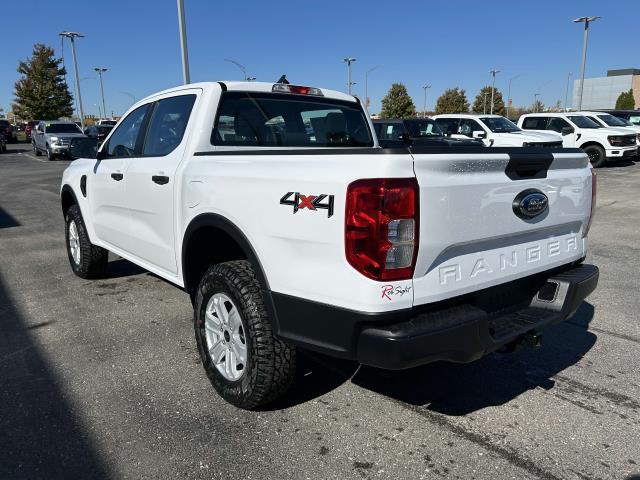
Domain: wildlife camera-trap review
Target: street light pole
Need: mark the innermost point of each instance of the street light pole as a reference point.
(566, 92)
(586, 21)
(484, 111)
(424, 101)
(509, 94)
(493, 86)
(535, 102)
(100, 71)
(366, 85)
(183, 43)
(349, 61)
(72, 36)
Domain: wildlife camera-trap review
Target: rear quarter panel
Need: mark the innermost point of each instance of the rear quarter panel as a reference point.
(302, 253)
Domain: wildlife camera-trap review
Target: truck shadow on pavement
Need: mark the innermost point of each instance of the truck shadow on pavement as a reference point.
(459, 389)
(450, 388)
(40, 434)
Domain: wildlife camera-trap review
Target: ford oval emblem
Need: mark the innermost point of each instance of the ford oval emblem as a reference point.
(530, 203)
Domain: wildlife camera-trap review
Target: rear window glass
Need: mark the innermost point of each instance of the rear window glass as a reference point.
(62, 128)
(281, 120)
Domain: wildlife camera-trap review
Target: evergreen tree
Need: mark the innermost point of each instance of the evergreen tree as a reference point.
(41, 92)
(479, 102)
(537, 106)
(626, 101)
(453, 100)
(397, 103)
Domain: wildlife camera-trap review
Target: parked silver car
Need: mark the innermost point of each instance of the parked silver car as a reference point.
(54, 137)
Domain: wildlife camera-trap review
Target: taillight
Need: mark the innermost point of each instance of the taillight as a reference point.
(594, 184)
(381, 227)
(297, 89)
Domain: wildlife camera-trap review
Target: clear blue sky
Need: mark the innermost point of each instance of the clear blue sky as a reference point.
(445, 44)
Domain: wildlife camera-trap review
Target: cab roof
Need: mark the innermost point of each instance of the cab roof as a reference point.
(236, 86)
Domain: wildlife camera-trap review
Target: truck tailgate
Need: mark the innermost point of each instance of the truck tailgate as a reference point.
(472, 236)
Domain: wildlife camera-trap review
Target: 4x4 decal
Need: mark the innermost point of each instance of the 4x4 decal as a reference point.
(311, 202)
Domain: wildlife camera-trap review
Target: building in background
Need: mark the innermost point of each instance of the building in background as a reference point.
(602, 92)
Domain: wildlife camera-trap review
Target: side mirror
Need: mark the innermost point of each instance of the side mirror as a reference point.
(567, 130)
(83, 147)
(479, 134)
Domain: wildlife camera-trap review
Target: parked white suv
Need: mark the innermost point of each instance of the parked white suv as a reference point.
(273, 206)
(577, 130)
(494, 130)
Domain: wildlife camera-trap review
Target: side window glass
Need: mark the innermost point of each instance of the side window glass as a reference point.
(168, 124)
(449, 126)
(123, 141)
(535, 123)
(557, 124)
(391, 131)
(468, 126)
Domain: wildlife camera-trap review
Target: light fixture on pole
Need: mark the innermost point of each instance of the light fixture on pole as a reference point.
(366, 85)
(72, 37)
(245, 77)
(493, 86)
(424, 100)
(100, 71)
(509, 93)
(586, 21)
(566, 92)
(186, 77)
(349, 61)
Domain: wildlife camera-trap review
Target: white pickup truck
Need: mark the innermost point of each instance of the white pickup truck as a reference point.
(273, 206)
(578, 130)
(494, 131)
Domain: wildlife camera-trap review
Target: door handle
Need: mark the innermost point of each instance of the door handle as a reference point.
(117, 176)
(160, 179)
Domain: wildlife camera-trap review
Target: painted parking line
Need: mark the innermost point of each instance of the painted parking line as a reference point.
(33, 157)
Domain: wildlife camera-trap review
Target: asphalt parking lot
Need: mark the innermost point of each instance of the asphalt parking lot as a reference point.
(101, 379)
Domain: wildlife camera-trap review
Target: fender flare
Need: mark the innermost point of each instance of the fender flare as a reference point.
(228, 227)
(66, 188)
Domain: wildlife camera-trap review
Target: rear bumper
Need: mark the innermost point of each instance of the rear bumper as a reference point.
(464, 333)
(459, 330)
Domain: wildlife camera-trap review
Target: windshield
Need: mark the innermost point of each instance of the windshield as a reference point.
(583, 122)
(284, 120)
(613, 121)
(62, 128)
(500, 124)
(424, 127)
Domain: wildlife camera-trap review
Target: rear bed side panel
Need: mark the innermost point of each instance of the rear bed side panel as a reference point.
(302, 253)
(470, 237)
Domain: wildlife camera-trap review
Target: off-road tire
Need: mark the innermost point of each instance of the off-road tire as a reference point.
(597, 155)
(36, 150)
(271, 362)
(93, 259)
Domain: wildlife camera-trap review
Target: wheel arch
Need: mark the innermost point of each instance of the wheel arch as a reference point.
(592, 143)
(67, 199)
(234, 245)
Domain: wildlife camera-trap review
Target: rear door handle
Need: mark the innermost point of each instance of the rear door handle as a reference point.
(117, 176)
(160, 179)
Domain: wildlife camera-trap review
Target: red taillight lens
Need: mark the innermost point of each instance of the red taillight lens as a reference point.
(594, 185)
(381, 227)
(297, 89)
